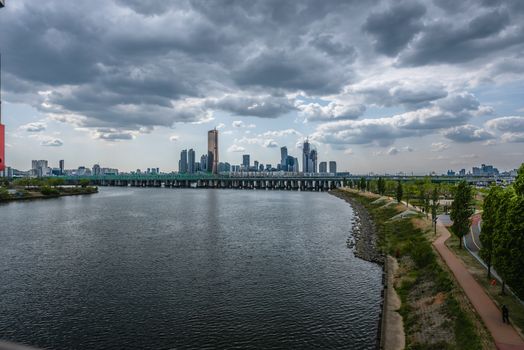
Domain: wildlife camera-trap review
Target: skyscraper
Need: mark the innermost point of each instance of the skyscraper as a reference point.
(313, 161)
(203, 162)
(96, 170)
(333, 167)
(212, 151)
(61, 166)
(305, 157)
(191, 161)
(182, 163)
(245, 162)
(283, 158)
(322, 167)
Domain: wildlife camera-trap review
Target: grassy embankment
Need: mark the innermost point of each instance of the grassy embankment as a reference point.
(436, 313)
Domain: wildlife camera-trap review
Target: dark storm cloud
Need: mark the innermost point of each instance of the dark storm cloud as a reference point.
(260, 106)
(445, 41)
(125, 65)
(292, 71)
(395, 27)
(412, 96)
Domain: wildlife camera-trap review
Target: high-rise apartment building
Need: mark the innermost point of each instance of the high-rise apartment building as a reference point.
(322, 167)
(245, 162)
(203, 162)
(191, 161)
(333, 167)
(61, 166)
(96, 170)
(182, 163)
(283, 158)
(313, 158)
(212, 151)
(305, 157)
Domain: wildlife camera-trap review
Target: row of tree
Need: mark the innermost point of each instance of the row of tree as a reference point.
(502, 234)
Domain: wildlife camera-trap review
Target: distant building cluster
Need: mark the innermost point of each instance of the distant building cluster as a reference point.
(209, 163)
(483, 170)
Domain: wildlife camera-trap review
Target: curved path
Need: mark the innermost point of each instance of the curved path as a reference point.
(472, 239)
(505, 336)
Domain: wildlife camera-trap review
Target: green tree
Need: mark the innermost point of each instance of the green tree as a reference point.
(83, 182)
(408, 189)
(4, 194)
(502, 261)
(519, 181)
(400, 191)
(381, 186)
(434, 207)
(55, 181)
(461, 210)
(368, 185)
(362, 184)
(515, 235)
(489, 224)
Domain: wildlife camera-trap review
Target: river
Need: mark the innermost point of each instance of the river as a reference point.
(152, 268)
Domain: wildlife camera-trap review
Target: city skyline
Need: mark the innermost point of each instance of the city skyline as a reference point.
(373, 98)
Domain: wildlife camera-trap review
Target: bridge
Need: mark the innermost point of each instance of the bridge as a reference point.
(291, 182)
(302, 182)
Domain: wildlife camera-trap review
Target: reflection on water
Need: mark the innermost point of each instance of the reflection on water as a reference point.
(160, 268)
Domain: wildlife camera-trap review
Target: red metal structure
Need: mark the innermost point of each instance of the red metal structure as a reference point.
(2, 127)
(2, 147)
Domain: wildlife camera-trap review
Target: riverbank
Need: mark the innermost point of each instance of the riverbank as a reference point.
(365, 242)
(435, 313)
(45, 192)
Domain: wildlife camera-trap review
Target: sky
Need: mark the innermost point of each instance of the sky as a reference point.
(378, 86)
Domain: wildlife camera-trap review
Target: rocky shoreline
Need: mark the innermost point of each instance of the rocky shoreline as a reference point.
(365, 239)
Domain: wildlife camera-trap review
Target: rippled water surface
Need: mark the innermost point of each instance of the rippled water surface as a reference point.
(162, 268)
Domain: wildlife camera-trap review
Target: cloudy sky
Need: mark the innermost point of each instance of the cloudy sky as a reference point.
(380, 86)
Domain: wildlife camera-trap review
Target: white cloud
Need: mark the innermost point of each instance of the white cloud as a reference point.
(236, 148)
(241, 124)
(47, 141)
(34, 127)
(439, 146)
(507, 124)
(174, 138)
(467, 133)
(270, 144)
(512, 137)
(331, 111)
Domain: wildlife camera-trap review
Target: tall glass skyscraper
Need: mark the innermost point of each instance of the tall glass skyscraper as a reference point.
(212, 151)
(305, 157)
(182, 163)
(283, 158)
(191, 161)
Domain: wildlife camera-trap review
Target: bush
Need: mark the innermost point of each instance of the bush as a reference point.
(49, 191)
(4, 194)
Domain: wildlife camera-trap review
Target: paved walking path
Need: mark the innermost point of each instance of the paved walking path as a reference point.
(505, 336)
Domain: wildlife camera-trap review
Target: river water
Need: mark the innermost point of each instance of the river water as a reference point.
(176, 269)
